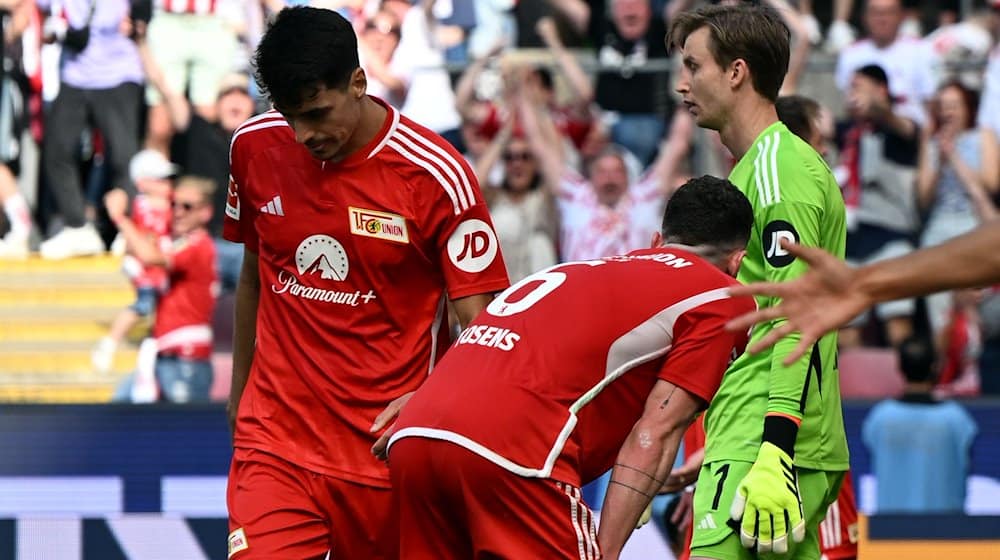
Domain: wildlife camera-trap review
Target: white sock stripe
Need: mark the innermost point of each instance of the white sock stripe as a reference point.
(469, 191)
(431, 169)
(436, 161)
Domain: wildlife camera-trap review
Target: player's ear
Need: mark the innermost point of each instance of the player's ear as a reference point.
(657, 240)
(734, 261)
(359, 83)
(739, 72)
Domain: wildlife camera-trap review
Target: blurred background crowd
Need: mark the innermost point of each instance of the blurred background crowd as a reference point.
(564, 108)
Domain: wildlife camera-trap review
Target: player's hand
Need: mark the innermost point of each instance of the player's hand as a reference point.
(380, 448)
(684, 511)
(684, 475)
(819, 301)
(767, 503)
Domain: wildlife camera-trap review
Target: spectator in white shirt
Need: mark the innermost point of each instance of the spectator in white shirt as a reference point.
(908, 62)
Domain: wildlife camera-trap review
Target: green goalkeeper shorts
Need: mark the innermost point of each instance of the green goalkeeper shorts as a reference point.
(714, 537)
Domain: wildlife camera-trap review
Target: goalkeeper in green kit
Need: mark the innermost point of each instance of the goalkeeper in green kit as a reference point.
(776, 452)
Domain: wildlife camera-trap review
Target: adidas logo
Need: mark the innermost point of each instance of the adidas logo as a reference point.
(707, 522)
(273, 207)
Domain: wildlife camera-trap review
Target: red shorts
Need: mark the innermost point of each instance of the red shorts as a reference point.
(454, 504)
(280, 510)
(838, 532)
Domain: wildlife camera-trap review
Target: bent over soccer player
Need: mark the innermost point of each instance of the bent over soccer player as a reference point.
(357, 224)
(775, 448)
(573, 370)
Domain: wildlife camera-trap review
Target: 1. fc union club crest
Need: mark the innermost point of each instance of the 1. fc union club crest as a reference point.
(324, 255)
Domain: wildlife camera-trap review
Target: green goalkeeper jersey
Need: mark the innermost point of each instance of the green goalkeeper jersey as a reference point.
(795, 197)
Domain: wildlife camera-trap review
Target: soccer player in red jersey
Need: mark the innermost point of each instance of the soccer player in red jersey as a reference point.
(358, 225)
(575, 369)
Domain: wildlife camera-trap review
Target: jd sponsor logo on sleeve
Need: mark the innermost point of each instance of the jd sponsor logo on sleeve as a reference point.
(774, 253)
(237, 542)
(380, 225)
(320, 257)
(473, 246)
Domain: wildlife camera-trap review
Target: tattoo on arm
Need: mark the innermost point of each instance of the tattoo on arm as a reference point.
(642, 472)
(632, 488)
(667, 400)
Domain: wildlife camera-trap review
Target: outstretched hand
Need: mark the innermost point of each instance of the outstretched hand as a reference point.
(819, 301)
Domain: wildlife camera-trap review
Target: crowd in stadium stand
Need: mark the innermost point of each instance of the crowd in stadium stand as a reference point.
(564, 108)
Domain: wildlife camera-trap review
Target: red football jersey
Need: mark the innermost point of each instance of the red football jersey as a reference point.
(184, 315)
(838, 532)
(355, 259)
(152, 218)
(550, 379)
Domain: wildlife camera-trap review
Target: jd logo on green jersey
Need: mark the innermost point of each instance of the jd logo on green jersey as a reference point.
(771, 239)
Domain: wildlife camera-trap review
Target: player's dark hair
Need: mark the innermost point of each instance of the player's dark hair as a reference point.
(305, 48)
(917, 359)
(708, 211)
(754, 33)
(799, 113)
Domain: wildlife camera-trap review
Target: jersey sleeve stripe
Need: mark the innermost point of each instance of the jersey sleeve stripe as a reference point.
(430, 169)
(470, 192)
(253, 128)
(757, 177)
(388, 134)
(775, 190)
(464, 201)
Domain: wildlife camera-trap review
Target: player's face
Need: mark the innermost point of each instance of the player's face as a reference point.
(702, 82)
(609, 179)
(325, 121)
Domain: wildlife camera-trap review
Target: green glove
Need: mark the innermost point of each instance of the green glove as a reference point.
(768, 503)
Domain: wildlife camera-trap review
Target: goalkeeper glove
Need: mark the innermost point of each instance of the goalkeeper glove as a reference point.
(768, 503)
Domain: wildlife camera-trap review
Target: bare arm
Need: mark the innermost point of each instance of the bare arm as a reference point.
(178, 108)
(244, 331)
(927, 173)
(492, 153)
(643, 463)
(579, 80)
(545, 142)
(576, 11)
(139, 243)
(673, 149)
(832, 293)
(465, 90)
(467, 308)
(800, 49)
